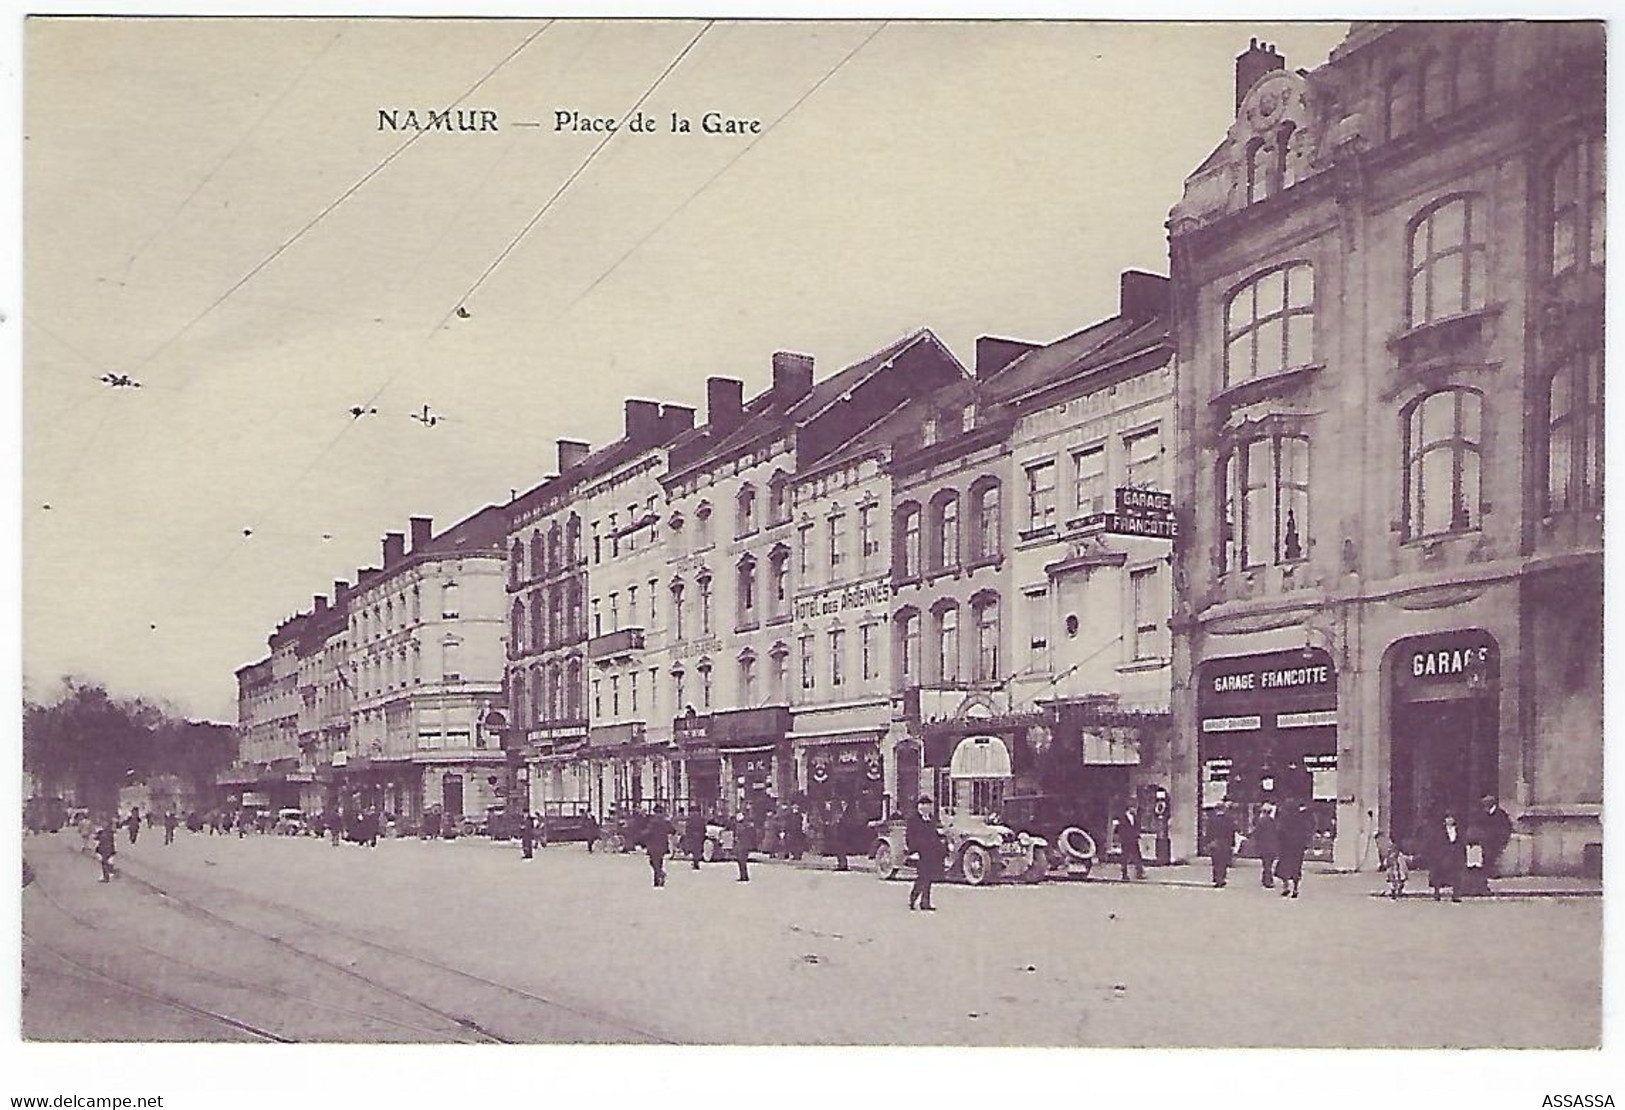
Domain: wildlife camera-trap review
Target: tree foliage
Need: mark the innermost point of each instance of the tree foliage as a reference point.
(93, 743)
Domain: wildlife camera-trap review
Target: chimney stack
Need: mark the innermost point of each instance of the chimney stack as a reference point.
(674, 421)
(1141, 295)
(572, 451)
(340, 589)
(792, 377)
(1258, 59)
(724, 403)
(422, 532)
(642, 421)
(318, 605)
(993, 354)
(394, 548)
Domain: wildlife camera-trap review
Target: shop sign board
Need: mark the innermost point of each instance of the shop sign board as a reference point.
(873, 596)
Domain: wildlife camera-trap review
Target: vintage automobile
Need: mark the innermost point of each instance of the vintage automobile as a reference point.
(1063, 824)
(290, 822)
(980, 851)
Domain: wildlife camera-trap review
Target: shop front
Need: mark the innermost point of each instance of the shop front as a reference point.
(1268, 734)
(1444, 745)
(754, 748)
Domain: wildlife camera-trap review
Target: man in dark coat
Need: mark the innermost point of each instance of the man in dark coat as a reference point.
(744, 844)
(1128, 842)
(591, 829)
(924, 841)
(1266, 840)
(844, 832)
(1493, 830)
(1447, 857)
(1296, 830)
(694, 836)
(170, 821)
(1221, 835)
(132, 824)
(656, 836)
(106, 850)
(527, 836)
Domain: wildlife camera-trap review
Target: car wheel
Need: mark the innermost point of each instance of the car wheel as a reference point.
(885, 861)
(976, 865)
(710, 850)
(1077, 844)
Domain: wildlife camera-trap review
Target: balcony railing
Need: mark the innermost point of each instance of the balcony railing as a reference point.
(615, 645)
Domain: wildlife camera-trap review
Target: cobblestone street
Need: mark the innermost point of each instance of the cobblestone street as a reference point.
(291, 938)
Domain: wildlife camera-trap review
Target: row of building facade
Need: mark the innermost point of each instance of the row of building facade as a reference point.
(1317, 516)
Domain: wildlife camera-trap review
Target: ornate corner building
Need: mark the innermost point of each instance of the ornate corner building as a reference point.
(1388, 307)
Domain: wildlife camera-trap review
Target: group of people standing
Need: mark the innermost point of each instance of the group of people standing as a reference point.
(1459, 858)
(1280, 839)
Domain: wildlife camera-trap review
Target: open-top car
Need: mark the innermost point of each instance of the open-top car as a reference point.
(980, 851)
(1063, 824)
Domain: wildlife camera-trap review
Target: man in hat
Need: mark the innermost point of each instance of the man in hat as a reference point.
(1494, 831)
(924, 841)
(1221, 834)
(656, 836)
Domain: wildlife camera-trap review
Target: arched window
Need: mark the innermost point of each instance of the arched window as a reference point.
(702, 517)
(538, 618)
(704, 667)
(1270, 324)
(1443, 434)
(572, 540)
(907, 533)
(778, 592)
(1434, 83)
(985, 607)
(1257, 171)
(778, 497)
(1286, 173)
(945, 531)
(1400, 97)
(574, 691)
(780, 657)
(516, 697)
(1265, 493)
(516, 562)
(1574, 435)
(679, 689)
(516, 627)
(1449, 273)
(746, 591)
(947, 643)
(538, 693)
(704, 582)
(1471, 72)
(747, 679)
(555, 546)
(1578, 216)
(986, 522)
(745, 511)
(678, 625)
(538, 558)
(907, 624)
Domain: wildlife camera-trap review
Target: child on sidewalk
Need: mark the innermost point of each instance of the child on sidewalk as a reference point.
(1394, 863)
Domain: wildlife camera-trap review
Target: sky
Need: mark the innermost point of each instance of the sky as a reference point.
(211, 208)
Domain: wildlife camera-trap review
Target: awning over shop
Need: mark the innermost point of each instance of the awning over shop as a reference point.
(980, 757)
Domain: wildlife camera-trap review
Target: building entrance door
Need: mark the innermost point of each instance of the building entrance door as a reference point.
(451, 797)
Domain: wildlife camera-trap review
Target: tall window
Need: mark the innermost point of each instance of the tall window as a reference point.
(837, 655)
(747, 590)
(945, 551)
(1089, 487)
(1401, 104)
(677, 610)
(1142, 454)
(1443, 432)
(614, 612)
(868, 545)
(747, 680)
(1448, 268)
(1285, 169)
(987, 521)
(1148, 616)
(908, 540)
(704, 668)
(632, 691)
(1038, 623)
(614, 536)
(448, 600)
(779, 574)
(781, 672)
(745, 519)
(1578, 217)
(986, 610)
(614, 695)
(516, 627)
(837, 544)
(597, 619)
(1040, 495)
(866, 652)
(677, 690)
(516, 563)
(908, 647)
(705, 605)
(1270, 324)
(538, 619)
(1257, 171)
(451, 661)
(702, 527)
(778, 498)
(1266, 502)
(948, 645)
(654, 601)
(632, 606)
(808, 678)
(573, 690)
(1574, 435)
(804, 539)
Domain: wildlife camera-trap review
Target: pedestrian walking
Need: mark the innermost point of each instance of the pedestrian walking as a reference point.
(527, 835)
(694, 836)
(1492, 829)
(591, 829)
(1447, 857)
(1221, 835)
(1128, 842)
(170, 821)
(924, 841)
(656, 837)
(132, 823)
(744, 844)
(87, 833)
(1267, 843)
(1297, 829)
(1394, 865)
(106, 850)
(795, 833)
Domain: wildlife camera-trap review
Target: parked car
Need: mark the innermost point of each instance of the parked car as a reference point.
(980, 851)
(565, 822)
(1064, 825)
(290, 822)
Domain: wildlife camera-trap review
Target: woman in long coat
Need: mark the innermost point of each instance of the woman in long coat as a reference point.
(1447, 857)
(1294, 831)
